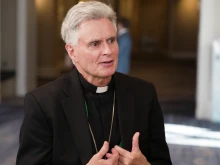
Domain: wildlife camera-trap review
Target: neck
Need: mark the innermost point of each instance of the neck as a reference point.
(96, 81)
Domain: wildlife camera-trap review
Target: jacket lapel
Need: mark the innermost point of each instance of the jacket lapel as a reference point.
(74, 109)
(125, 106)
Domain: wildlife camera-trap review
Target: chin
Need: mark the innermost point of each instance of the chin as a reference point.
(107, 73)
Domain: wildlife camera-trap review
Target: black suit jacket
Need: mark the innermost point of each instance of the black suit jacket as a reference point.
(55, 129)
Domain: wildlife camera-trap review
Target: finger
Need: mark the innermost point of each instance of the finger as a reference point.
(135, 142)
(115, 154)
(122, 151)
(114, 151)
(103, 150)
(113, 159)
(119, 163)
(109, 156)
(122, 160)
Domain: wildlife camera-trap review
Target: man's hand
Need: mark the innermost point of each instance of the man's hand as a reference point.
(135, 157)
(112, 159)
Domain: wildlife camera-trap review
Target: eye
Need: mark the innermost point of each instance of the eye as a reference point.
(111, 40)
(94, 44)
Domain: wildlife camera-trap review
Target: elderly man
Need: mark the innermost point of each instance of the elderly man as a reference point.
(93, 115)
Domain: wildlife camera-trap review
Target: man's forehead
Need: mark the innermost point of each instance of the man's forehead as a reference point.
(94, 20)
(92, 37)
(97, 29)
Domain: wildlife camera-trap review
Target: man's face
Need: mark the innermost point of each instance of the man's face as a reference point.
(96, 54)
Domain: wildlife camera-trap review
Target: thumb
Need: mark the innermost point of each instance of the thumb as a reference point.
(135, 142)
(103, 151)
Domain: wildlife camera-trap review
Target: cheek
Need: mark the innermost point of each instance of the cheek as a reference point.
(76, 56)
(89, 59)
(82, 56)
(116, 50)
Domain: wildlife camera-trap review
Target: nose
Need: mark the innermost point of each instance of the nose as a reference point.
(106, 49)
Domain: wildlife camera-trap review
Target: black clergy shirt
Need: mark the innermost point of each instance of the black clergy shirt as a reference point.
(100, 106)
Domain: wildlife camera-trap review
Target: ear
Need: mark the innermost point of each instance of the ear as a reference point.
(71, 52)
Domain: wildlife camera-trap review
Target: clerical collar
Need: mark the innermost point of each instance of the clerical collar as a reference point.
(87, 87)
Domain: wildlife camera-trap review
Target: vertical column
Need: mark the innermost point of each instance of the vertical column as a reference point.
(208, 31)
(216, 81)
(26, 47)
(21, 68)
(0, 50)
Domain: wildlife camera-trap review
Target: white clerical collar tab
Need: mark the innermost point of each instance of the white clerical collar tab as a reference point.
(101, 89)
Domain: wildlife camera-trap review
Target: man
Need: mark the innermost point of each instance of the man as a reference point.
(92, 115)
(125, 45)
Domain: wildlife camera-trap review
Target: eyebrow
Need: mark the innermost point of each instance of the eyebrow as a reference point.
(93, 41)
(99, 40)
(113, 37)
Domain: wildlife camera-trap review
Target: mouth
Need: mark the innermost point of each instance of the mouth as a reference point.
(107, 63)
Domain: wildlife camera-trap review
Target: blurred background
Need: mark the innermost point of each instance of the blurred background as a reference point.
(175, 46)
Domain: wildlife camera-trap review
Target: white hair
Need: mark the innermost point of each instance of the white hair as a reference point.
(81, 12)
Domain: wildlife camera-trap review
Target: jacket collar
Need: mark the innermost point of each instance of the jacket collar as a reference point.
(74, 109)
(125, 106)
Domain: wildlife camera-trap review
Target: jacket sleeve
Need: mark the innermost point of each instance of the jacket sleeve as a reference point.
(158, 149)
(35, 135)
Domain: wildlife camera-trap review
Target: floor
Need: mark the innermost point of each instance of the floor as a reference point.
(10, 122)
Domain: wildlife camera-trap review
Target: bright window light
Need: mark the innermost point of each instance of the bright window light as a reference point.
(189, 135)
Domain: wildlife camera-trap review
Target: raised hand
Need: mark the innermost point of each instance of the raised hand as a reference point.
(135, 157)
(112, 159)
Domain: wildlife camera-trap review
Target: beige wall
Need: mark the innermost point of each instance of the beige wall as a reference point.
(47, 31)
(169, 27)
(8, 45)
(154, 20)
(51, 50)
(8, 34)
(184, 20)
(131, 10)
(148, 21)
